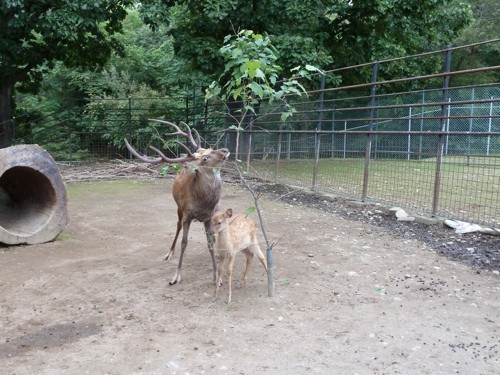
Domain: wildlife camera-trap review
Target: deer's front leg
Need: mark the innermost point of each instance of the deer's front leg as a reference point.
(211, 242)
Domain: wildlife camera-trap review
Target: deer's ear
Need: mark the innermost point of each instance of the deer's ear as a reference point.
(229, 212)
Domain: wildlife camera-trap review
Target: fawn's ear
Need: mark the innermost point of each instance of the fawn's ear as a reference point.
(229, 212)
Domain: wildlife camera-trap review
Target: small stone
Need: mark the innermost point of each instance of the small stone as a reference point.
(400, 214)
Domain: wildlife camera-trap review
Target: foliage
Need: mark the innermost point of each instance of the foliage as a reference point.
(79, 33)
(251, 77)
(35, 34)
(149, 58)
(252, 74)
(484, 27)
(141, 75)
(324, 33)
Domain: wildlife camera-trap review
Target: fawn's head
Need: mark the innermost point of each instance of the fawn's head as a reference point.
(220, 220)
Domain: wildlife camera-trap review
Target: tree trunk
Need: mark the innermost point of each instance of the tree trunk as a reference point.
(6, 126)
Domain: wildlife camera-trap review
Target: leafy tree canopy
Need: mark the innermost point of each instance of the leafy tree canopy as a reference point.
(36, 33)
(324, 33)
(485, 26)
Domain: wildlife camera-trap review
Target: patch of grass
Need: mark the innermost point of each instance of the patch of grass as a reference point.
(470, 186)
(63, 237)
(286, 282)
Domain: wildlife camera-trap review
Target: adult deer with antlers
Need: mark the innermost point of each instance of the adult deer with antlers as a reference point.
(196, 190)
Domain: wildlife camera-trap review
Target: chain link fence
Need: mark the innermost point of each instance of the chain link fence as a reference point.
(468, 187)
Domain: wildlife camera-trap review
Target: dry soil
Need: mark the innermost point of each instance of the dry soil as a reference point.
(351, 297)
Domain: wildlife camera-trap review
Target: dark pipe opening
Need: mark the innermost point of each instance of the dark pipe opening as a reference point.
(27, 200)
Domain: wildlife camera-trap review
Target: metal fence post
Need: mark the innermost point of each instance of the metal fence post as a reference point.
(441, 138)
(345, 140)
(289, 145)
(448, 114)
(317, 139)
(250, 139)
(280, 138)
(368, 149)
(471, 125)
(409, 133)
(420, 137)
(70, 138)
(278, 154)
(488, 140)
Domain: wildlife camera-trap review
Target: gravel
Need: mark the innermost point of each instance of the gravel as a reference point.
(478, 250)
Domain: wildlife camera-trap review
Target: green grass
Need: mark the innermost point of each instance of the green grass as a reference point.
(469, 190)
(63, 237)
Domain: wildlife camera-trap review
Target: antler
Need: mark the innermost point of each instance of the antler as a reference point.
(178, 131)
(162, 158)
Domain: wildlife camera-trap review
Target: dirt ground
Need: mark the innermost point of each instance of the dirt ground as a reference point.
(351, 297)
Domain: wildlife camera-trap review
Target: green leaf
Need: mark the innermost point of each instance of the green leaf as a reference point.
(285, 115)
(257, 89)
(250, 210)
(251, 67)
(237, 92)
(164, 170)
(260, 74)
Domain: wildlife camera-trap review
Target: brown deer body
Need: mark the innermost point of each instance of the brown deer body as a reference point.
(233, 234)
(196, 191)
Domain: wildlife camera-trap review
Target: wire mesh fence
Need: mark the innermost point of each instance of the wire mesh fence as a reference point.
(468, 187)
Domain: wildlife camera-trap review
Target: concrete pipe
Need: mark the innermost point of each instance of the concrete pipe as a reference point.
(33, 200)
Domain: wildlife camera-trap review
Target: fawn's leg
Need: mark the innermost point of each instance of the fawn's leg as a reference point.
(230, 263)
(249, 254)
(219, 272)
(258, 252)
